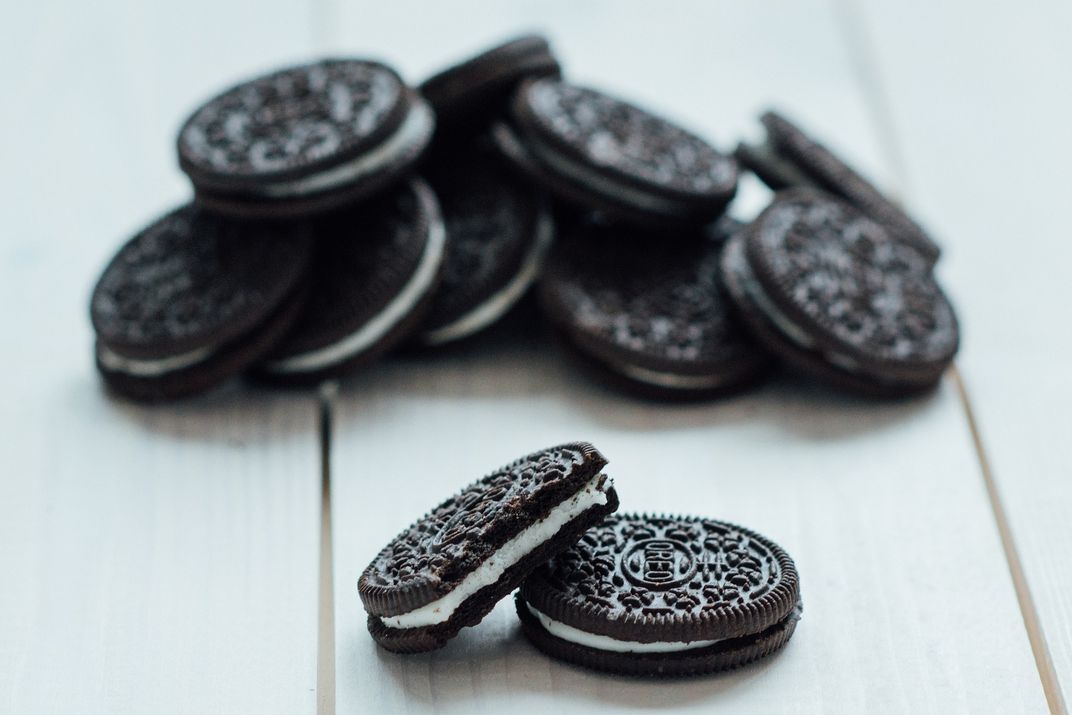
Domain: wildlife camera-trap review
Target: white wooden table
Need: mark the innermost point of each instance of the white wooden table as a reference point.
(179, 560)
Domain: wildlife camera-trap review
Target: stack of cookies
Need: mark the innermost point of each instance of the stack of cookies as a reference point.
(635, 594)
(339, 213)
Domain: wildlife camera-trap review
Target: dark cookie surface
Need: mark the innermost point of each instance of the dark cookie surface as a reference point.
(652, 579)
(427, 560)
(831, 173)
(364, 257)
(193, 280)
(851, 286)
(291, 122)
(624, 141)
(493, 221)
(477, 89)
(656, 304)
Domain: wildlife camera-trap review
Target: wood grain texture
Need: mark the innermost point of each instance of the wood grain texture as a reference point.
(908, 604)
(153, 560)
(980, 123)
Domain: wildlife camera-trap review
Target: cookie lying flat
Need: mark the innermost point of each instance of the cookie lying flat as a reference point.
(375, 269)
(651, 311)
(304, 140)
(609, 155)
(499, 229)
(193, 299)
(467, 95)
(667, 596)
(791, 158)
(836, 295)
(451, 567)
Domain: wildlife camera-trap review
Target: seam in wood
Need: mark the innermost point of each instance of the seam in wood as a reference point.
(855, 32)
(1039, 647)
(325, 649)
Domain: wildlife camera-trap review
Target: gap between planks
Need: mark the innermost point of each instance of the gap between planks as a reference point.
(325, 642)
(859, 47)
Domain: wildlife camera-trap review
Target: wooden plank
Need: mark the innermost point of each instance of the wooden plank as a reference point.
(154, 560)
(980, 125)
(908, 604)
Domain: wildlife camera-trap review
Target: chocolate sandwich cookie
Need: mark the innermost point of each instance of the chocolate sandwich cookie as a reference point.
(606, 154)
(374, 272)
(833, 292)
(662, 596)
(499, 229)
(790, 158)
(193, 299)
(468, 95)
(650, 311)
(304, 140)
(449, 569)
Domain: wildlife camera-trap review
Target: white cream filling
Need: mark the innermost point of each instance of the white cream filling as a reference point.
(601, 642)
(587, 176)
(414, 130)
(115, 362)
(493, 308)
(668, 379)
(440, 610)
(399, 307)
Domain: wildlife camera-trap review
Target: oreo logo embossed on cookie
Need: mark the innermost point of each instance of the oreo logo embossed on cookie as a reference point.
(656, 595)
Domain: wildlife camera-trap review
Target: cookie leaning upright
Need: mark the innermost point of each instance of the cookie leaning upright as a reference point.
(193, 299)
(467, 95)
(305, 139)
(840, 297)
(791, 158)
(609, 155)
(662, 595)
(449, 569)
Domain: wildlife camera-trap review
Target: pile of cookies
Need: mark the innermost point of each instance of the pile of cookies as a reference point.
(339, 213)
(633, 594)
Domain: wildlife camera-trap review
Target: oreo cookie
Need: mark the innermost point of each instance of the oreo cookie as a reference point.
(468, 95)
(194, 299)
(790, 158)
(605, 154)
(662, 596)
(449, 569)
(649, 311)
(375, 270)
(304, 140)
(499, 229)
(837, 296)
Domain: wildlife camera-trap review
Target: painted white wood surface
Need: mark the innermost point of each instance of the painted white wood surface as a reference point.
(980, 100)
(908, 604)
(151, 560)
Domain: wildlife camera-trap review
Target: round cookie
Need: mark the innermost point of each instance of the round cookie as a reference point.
(662, 596)
(374, 272)
(651, 312)
(467, 95)
(449, 569)
(499, 229)
(790, 158)
(606, 154)
(193, 299)
(304, 140)
(839, 297)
